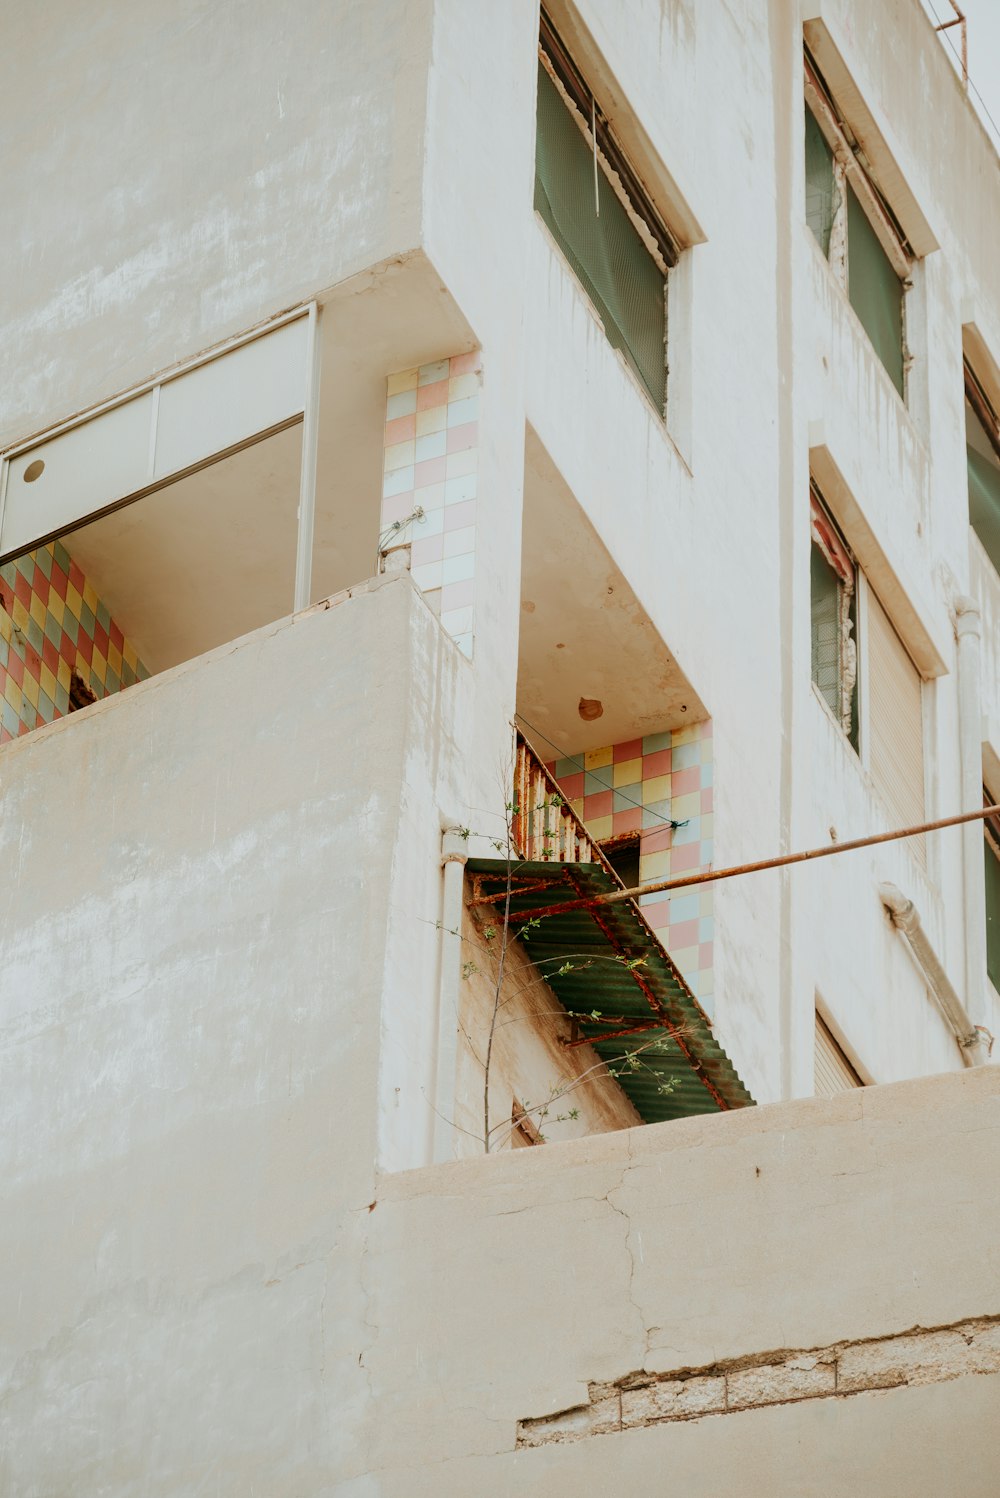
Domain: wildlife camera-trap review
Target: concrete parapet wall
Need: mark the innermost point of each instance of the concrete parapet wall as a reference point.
(726, 1299)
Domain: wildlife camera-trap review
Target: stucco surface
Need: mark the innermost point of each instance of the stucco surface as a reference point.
(192, 972)
(172, 176)
(678, 1246)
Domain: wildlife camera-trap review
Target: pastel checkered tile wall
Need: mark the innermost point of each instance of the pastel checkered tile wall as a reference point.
(641, 786)
(52, 623)
(431, 461)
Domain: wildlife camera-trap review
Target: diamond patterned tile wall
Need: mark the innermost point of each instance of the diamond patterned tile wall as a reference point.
(430, 464)
(642, 787)
(53, 624)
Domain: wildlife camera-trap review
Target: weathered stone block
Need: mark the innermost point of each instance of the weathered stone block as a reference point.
(802, 1377)
(673, 1399)
(919, 1358)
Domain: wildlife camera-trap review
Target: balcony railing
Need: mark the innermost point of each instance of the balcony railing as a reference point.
(545, 828)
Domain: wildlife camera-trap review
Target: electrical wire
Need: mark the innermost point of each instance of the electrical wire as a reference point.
(968, 75)
(608, 786)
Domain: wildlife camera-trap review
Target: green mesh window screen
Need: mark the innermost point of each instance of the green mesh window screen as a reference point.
(984, 502)
(875, 290)
(993, 900)
(821, 190)
(834, 621)
(605, 249)
(826, 663)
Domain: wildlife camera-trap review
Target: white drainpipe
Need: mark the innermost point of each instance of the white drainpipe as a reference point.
(971, 1042)
(454, 854)
(970, 728)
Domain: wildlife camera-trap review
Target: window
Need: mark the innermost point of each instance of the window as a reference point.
(855, 228)
(982, 435)
(871, 686)
(834, 620)
(601, 216)
(622, 854)
(832, 1072)
(991, 828)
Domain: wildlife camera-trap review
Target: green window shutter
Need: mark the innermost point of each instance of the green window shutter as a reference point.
(821, 190)
(984, 503)
(992, 914)
(875, 290)
(606, 251)
(827, 664)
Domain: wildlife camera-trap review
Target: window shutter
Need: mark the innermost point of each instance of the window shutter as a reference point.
(875, 290)
(821, 189)
(895, 725)
(832, 1072)
(606, 251)
(992, 852)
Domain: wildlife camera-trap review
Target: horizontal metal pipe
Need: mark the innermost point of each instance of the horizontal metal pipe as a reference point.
(711, 876)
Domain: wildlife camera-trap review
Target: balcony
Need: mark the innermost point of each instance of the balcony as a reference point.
(601, 957)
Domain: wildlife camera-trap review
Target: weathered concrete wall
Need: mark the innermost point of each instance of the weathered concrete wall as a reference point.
(791, 1301)
(192, 975)
(174, 176)
(529, 1063)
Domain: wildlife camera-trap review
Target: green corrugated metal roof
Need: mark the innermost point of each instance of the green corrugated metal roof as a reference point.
(585, 955)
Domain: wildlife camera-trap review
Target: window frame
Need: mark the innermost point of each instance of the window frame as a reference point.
(834, 541)
(991, 839)
(852, 172)
(983, 410)
(864, 593)
(611, 158)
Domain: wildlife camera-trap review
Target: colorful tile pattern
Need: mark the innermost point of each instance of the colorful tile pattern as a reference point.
(431, 461)
(642, 786)
(52, 623)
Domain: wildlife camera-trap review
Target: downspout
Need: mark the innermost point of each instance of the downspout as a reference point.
(970, 736)
(454, 854)
(971, 1041)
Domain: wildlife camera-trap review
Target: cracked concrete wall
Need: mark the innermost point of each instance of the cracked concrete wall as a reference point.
(504, 1290)
(189, 1048)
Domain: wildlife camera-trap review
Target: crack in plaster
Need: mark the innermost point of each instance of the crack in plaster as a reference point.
(920, 1355)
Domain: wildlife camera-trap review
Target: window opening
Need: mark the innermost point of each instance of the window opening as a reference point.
(991, 830)
(834, 619)
(600, 214)
(855, 227)
(622, 854)
(523, 1132)
(983, 449)
(832, 1071)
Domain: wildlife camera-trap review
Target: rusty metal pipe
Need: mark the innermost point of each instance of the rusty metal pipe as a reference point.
(712, 876)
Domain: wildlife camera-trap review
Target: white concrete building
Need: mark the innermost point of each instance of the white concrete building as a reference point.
(506, 459)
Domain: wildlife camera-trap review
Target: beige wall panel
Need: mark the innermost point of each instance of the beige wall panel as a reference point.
(86, 468)
(218, 404)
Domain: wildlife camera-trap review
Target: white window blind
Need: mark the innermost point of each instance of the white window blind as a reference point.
(895, 725)
(833, 1072)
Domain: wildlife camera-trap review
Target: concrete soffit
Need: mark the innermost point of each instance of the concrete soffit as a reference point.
(663, 185)
(870, 127)
(873, 560)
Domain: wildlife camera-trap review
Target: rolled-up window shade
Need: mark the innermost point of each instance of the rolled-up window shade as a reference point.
(826, 633)
(833, 1072)
(984, 503)
(875, 290)
(895, 726)
(605, 250)
(821, 190)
